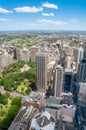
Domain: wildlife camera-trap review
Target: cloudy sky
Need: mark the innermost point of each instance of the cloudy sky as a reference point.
(42, 15)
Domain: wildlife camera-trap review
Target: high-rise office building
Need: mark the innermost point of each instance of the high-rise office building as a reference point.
(84, 56)
(82, 68)
(69, 51)
(33, 51)
(82, 71)
(25, 55)
(41, 66)
(68, 62)
(63, 57)
(68, 80)
(78, 55)
(4, 60)
(17, 54)
(58, 80)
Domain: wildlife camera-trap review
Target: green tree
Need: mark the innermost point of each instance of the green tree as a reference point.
(16, 101)
(28, 90)
(3, 99)
(5, 123)
(12, 112)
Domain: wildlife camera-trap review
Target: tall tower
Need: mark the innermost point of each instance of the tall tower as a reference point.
(84, 52)
(25, 55)
(68, 80)
(33, 51)
(68, 62)
(82, 69)
(41, 67)
(58, 80)
(4, 60)
(78, 55)
(17, 54)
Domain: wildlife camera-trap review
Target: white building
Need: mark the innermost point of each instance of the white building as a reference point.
(78, 55)
(43, 121)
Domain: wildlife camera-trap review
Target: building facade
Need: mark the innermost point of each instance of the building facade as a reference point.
(58, 80)
(33, 51)
(41, 67)
(82, 71)
(25, 55)
(68, 80)
(78, 55)
(17, 54)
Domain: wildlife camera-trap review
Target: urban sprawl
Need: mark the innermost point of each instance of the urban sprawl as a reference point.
(42, 81)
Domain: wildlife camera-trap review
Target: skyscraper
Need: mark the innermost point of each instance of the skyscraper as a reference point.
(41, 66)
(68, 80)
(78, 55)
(58, 80)
(68, 62)
(82, 69)
(4, 60)
(63, 57)
(17, 54)
(33, 51)
(84, 56)
(25, 55)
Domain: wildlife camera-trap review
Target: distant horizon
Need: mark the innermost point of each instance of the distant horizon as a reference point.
(45, 31)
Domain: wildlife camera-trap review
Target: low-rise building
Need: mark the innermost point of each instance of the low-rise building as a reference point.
(43, 121)
(23, 119)
(35, 99)
(67, 98)
(25, 68)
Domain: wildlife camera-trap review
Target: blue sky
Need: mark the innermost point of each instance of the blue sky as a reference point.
(42, 15)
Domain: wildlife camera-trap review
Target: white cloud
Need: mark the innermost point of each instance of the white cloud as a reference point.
(73, 21)
(5, 11)
(27, 24)
(27, 9)
(52, 22)
(4, 19)
(47, 14)
(49, 5)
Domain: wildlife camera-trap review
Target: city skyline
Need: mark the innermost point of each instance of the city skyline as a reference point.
(42, 15)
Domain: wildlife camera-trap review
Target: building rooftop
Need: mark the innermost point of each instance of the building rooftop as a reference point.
(43, 121)
(69, 70)
(25, 68)
(23, 118)
(67, 113)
